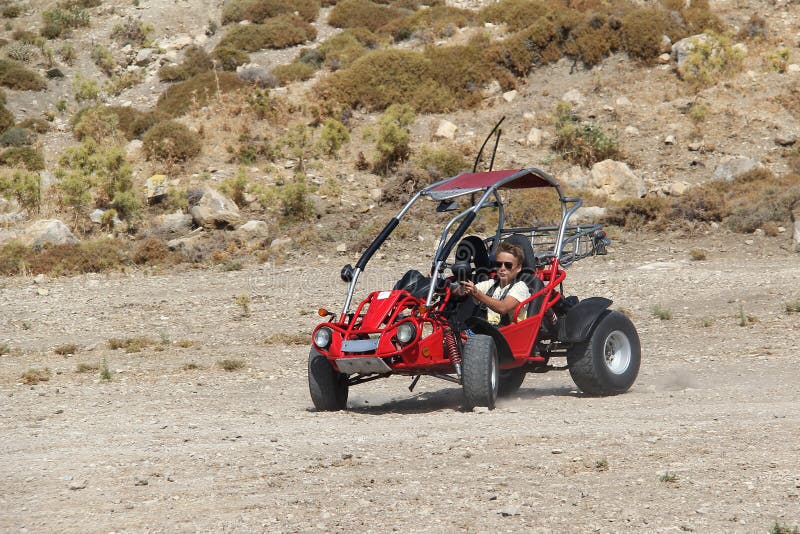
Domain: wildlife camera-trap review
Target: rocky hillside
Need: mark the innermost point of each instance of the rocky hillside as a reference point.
(169, 125)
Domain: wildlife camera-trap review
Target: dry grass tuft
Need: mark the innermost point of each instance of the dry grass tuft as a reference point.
(35, 376)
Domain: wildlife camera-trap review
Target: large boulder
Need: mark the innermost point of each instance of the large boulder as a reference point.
(616, 180)
(47, 231)
(253, 232)
(215, 210)
(730, 168)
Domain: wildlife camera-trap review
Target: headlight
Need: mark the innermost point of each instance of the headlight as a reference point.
(322, 337)
(406, 332)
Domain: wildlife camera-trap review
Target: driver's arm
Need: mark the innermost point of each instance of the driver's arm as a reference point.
(507, 305)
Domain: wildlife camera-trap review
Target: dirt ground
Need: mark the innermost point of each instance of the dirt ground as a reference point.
(707, 440)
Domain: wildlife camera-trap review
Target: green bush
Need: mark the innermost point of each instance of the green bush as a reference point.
(332, 136)
(236, 186)
(15, 136)
(16, 76)
(257, 11)
(85, 89)
(104, 59)
(384, 77)
(278, 32)
(23, 156)
(11, 12)
(362, 13)
(394, 137)
(593, 39)
(710, 60)
(229, 58)
(293, 72)
(24, 186)
(341, 50)
(179, 98)
(171, 142)
(581, 143)
(195, 61)
(464, 70)
(123, 81)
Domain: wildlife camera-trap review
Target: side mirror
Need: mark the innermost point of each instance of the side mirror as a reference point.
(347, 273)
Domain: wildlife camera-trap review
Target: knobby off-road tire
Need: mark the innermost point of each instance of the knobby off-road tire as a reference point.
(510, 381)
(328, 388)
(608, 363)
(480, 372)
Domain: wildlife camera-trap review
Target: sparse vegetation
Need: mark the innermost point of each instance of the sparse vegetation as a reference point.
(86, 368)
(66, 349)
(105, 372)
(778, 60)
(601, 465)
(697, 254)
(231, 364)
(85, 89)
(195, 61)
(793, 306)
(661, 313)
(24, 186)
(394, 136)
(780, 528)
(711, 59)
(243, 302)
(668, 477)
(197, 91)
(131, 344)
(744, 318)
(25, 157)
(284, 338)
(257, 11)
(36, 375)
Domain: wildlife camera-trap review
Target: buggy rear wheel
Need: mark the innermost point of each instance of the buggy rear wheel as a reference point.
(481, 372)
(328, 387)
(510, 381)
(608, 363)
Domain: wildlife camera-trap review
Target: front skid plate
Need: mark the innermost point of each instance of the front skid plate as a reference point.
(362, 366)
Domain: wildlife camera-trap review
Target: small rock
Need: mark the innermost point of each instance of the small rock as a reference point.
(140, 481)
(534, 138)
(77, 485)
(664, 59)
(574, 96)
(695, 146)
(446, 130)
(43, 291)
(729, 168)
(794, 68)
(632, 130)
(557, 451)
(40, 279)
(480, 409)
(493, 89)
(156, 187)
(279, 242)
(509, 96)
(623, 101)
(509, 510)
(376, 194)
(669, 140)
(341, 248)
(785, 139)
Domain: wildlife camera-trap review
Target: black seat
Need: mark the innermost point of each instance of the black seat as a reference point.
(415, 283)
(528, 272)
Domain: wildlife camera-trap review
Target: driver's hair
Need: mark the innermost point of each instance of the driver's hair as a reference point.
(514, 250)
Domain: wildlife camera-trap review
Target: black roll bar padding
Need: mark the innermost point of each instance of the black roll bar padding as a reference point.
(375, 245)
(456, 237)
(480, 152)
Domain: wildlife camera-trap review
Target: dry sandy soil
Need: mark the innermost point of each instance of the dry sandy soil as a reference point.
(707, 440)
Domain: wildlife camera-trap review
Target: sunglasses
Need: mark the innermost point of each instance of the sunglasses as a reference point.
(507, 264)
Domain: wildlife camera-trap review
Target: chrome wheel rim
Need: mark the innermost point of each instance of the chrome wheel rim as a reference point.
(617, 352)
(494, 376)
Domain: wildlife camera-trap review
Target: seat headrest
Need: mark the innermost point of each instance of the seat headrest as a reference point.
(527, 250)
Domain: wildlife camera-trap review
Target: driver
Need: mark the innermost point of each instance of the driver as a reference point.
(501, 295)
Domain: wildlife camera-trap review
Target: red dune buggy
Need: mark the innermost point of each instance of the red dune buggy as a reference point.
(420, 328)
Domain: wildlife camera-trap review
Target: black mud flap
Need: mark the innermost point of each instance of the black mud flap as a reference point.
(482, 326)
(580, 319)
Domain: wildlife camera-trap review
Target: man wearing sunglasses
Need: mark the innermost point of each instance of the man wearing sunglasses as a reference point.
(500, 295)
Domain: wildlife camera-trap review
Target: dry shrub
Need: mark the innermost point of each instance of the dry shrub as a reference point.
(16, 76)
(278, 32)
(84, 257)
(293, 72)
(101, 122)
(385, 77)
(342, 49)
(790, 100)
(580, 142)
(464, 70)
(150, 251)
(642, 29)
(517, 14)
(362, 13)
(34, 376)
(33, 124)
(594, 39)
(171, 141)
(179, 98)
(23, 156)
(534, 207)
(6, 119)
(637, 213)
(755, 28)
(258, 11)
(759, 197)
(698, 18)
(440, 20)
(538, 44)
(15, 136)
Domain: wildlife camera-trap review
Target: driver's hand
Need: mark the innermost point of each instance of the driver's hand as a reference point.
(469, 287)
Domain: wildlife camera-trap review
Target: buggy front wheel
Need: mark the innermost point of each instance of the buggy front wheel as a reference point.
(481, 372)
(328, 387)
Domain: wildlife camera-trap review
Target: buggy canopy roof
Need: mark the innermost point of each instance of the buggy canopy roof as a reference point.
(471, 182)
